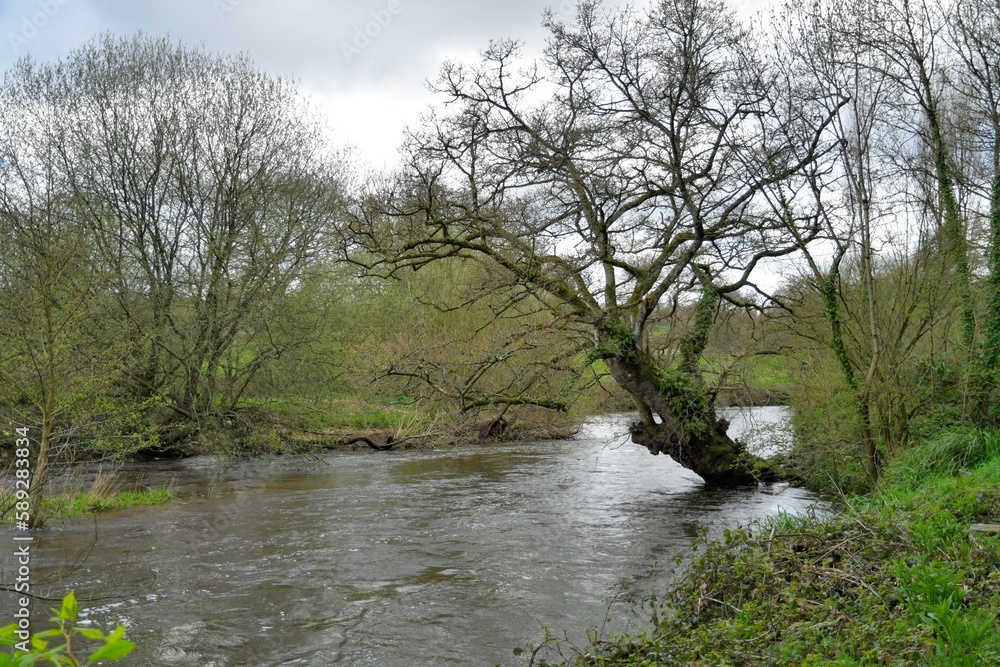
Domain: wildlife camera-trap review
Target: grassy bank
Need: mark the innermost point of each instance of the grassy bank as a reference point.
(893, 578)
(70, 506)
(749, 380)
(73, 504)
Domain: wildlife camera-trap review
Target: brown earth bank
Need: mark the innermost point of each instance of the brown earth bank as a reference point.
(483, 432)
(257, 432)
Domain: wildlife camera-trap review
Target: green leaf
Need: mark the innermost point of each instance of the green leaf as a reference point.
(116, 634)
(115, 650)
(91, 633)
(69, 609)
(54, 655)
(49, 633)
(38, 643)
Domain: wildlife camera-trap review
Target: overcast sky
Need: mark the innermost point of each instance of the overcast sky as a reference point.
(366, 62)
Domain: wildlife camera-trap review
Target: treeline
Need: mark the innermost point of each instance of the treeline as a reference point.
(157, 204)
(890, 325)
(901, 297)
(180, 248)
(656, 166)
(169, 234)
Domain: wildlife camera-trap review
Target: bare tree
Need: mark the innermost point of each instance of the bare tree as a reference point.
(860, 202)
(208, 188)
(973, 27)
(477, 347)
(613, 181)
(912, 37)
(59, 355)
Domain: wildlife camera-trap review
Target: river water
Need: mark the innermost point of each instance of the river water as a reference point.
(451, 557)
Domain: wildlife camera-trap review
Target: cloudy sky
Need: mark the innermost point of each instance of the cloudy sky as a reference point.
(366, 62)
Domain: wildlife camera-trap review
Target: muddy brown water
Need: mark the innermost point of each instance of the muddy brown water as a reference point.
(404, 558)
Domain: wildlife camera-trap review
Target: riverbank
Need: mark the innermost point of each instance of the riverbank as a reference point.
(907, 575)
(73, 505)
(351, 424)
(355, 423)
(419, 557)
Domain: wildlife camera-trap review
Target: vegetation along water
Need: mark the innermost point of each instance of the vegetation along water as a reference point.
(670, 212)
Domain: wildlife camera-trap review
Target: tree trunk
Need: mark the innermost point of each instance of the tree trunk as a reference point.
(39, 476)
(987, 412)
(688, 429)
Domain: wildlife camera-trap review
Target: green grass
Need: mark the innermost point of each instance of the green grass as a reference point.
(345, 413)
(82, 504)
(767, 371)
(755, 378)
(893, 578)
(351, 413)
(947, 455)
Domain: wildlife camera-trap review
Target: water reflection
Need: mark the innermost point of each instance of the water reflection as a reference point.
(404, 558)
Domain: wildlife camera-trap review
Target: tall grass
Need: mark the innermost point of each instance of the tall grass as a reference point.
(77, 497)
(948, 455)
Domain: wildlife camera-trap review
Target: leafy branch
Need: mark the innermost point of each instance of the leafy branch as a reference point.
(114, 646)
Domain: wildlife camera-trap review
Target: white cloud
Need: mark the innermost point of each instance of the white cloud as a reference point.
(369, 97)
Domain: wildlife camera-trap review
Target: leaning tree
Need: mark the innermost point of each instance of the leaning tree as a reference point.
(622, 178)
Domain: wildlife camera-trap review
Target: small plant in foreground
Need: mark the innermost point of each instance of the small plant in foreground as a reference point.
(113, 646)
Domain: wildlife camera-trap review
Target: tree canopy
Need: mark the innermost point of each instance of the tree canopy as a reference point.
(637, 162)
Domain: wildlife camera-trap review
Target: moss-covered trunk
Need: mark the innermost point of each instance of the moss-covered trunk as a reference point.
(677, 418)
(676, 410)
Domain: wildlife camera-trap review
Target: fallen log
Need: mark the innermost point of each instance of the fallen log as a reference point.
(371, 443)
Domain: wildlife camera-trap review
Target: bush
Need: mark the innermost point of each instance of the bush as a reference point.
(827, 452)
(110, 647)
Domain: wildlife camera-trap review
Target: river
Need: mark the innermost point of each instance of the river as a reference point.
(424, 557)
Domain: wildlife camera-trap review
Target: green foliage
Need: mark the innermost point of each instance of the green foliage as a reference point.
(616, 342)
(938, 385)
(346, 413)
(80, 504)
(689, 402)
(755, 379)
(826, 449)
(936, 596)
(892, 578)
(828, 290)
(64, 507)
(56, 646)
(988, 392)
(949, 454)
(694, 344)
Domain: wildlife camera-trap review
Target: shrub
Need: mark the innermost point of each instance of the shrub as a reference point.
(109, 647)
